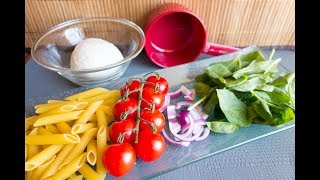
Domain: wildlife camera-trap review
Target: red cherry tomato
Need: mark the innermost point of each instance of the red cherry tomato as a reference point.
(120, 127)
(123, 106)
(155, 117)
(163, 83)
(150, 146)
(119, 159)
(133, 85)
(151, 96)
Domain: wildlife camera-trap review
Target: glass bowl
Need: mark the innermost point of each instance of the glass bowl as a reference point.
(53, 48)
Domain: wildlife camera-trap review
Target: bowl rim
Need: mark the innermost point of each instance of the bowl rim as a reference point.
(135, 52)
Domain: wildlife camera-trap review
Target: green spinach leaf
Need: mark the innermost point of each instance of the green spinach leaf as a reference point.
(233, 108)
(222, 127)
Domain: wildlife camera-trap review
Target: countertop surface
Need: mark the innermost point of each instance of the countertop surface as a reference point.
(268, 158)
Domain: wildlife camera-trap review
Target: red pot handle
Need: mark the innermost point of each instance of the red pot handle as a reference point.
(218, 49)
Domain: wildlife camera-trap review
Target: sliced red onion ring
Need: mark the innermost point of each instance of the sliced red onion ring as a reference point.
(181, 143)
(197, 128)
(202, 114)
(204, 135)
(175, 94)
(187, 133)
(188, 98)
(183, 103)
(165, 103)
(184, 137)
(185, 91)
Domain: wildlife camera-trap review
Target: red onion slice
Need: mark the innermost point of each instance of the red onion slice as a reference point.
(180, 143)
(175, 94)
(185, 91)
(204, 135)
(184, 137)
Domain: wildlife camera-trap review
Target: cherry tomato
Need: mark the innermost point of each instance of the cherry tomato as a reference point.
(151, 96)
(120, 127)
(150, 146)
(155, 117)
(119, 159)
(123, 106)
(133, 85)
(163, 83)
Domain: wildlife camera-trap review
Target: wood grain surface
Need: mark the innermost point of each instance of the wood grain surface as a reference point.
(233, 22)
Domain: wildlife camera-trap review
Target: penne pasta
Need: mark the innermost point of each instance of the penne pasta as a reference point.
(43, 131)
(50, 101)
(92, 152)
(52, 128)
(79, 177)
(101, 146)
(42, 108)
(81, 128)
(25, 152)
(101, 118)
(63, 127)
(29, 122)
(71, 167)
(89, 173)
(56, 118)
(79, 148)
(72, 175)
(84, 117)
(87, 94)
(31, 149)
(111, 94)
(53, 168)
(108, 110)
(110, 101)
(93, 118)
(42, 157)
(52, 139)
(39, 170)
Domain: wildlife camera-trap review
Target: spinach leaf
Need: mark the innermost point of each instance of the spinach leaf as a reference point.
(201, 89)
(263, 110)
(286, 82)
(258, 67)
(222, 127)
(254, 82)
(211, 103)
(204, 78)
(230, 81)
(246, 59)
(223, 69)
(233, 108)
(275, 97)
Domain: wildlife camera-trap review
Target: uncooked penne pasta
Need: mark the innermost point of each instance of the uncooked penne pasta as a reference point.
(42, 157)
(91, 109)
(110, 101)
(52, 128)
(31, 149)
(42, 108)
(29, 122)
(93, 118)
(63, 127)
(56, 118)
(50, 101)
(81, 128)
(79, 177)
(71, 167)
(87, 94)
(53, 168)
(108, 110)
(79, 148)
(101, 118)
(89, 173)
(92, 152)
(101, 146)
(39, 170)
(52, 139)
(111, 94)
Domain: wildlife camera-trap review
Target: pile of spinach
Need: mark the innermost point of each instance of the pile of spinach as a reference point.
(245, 90)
